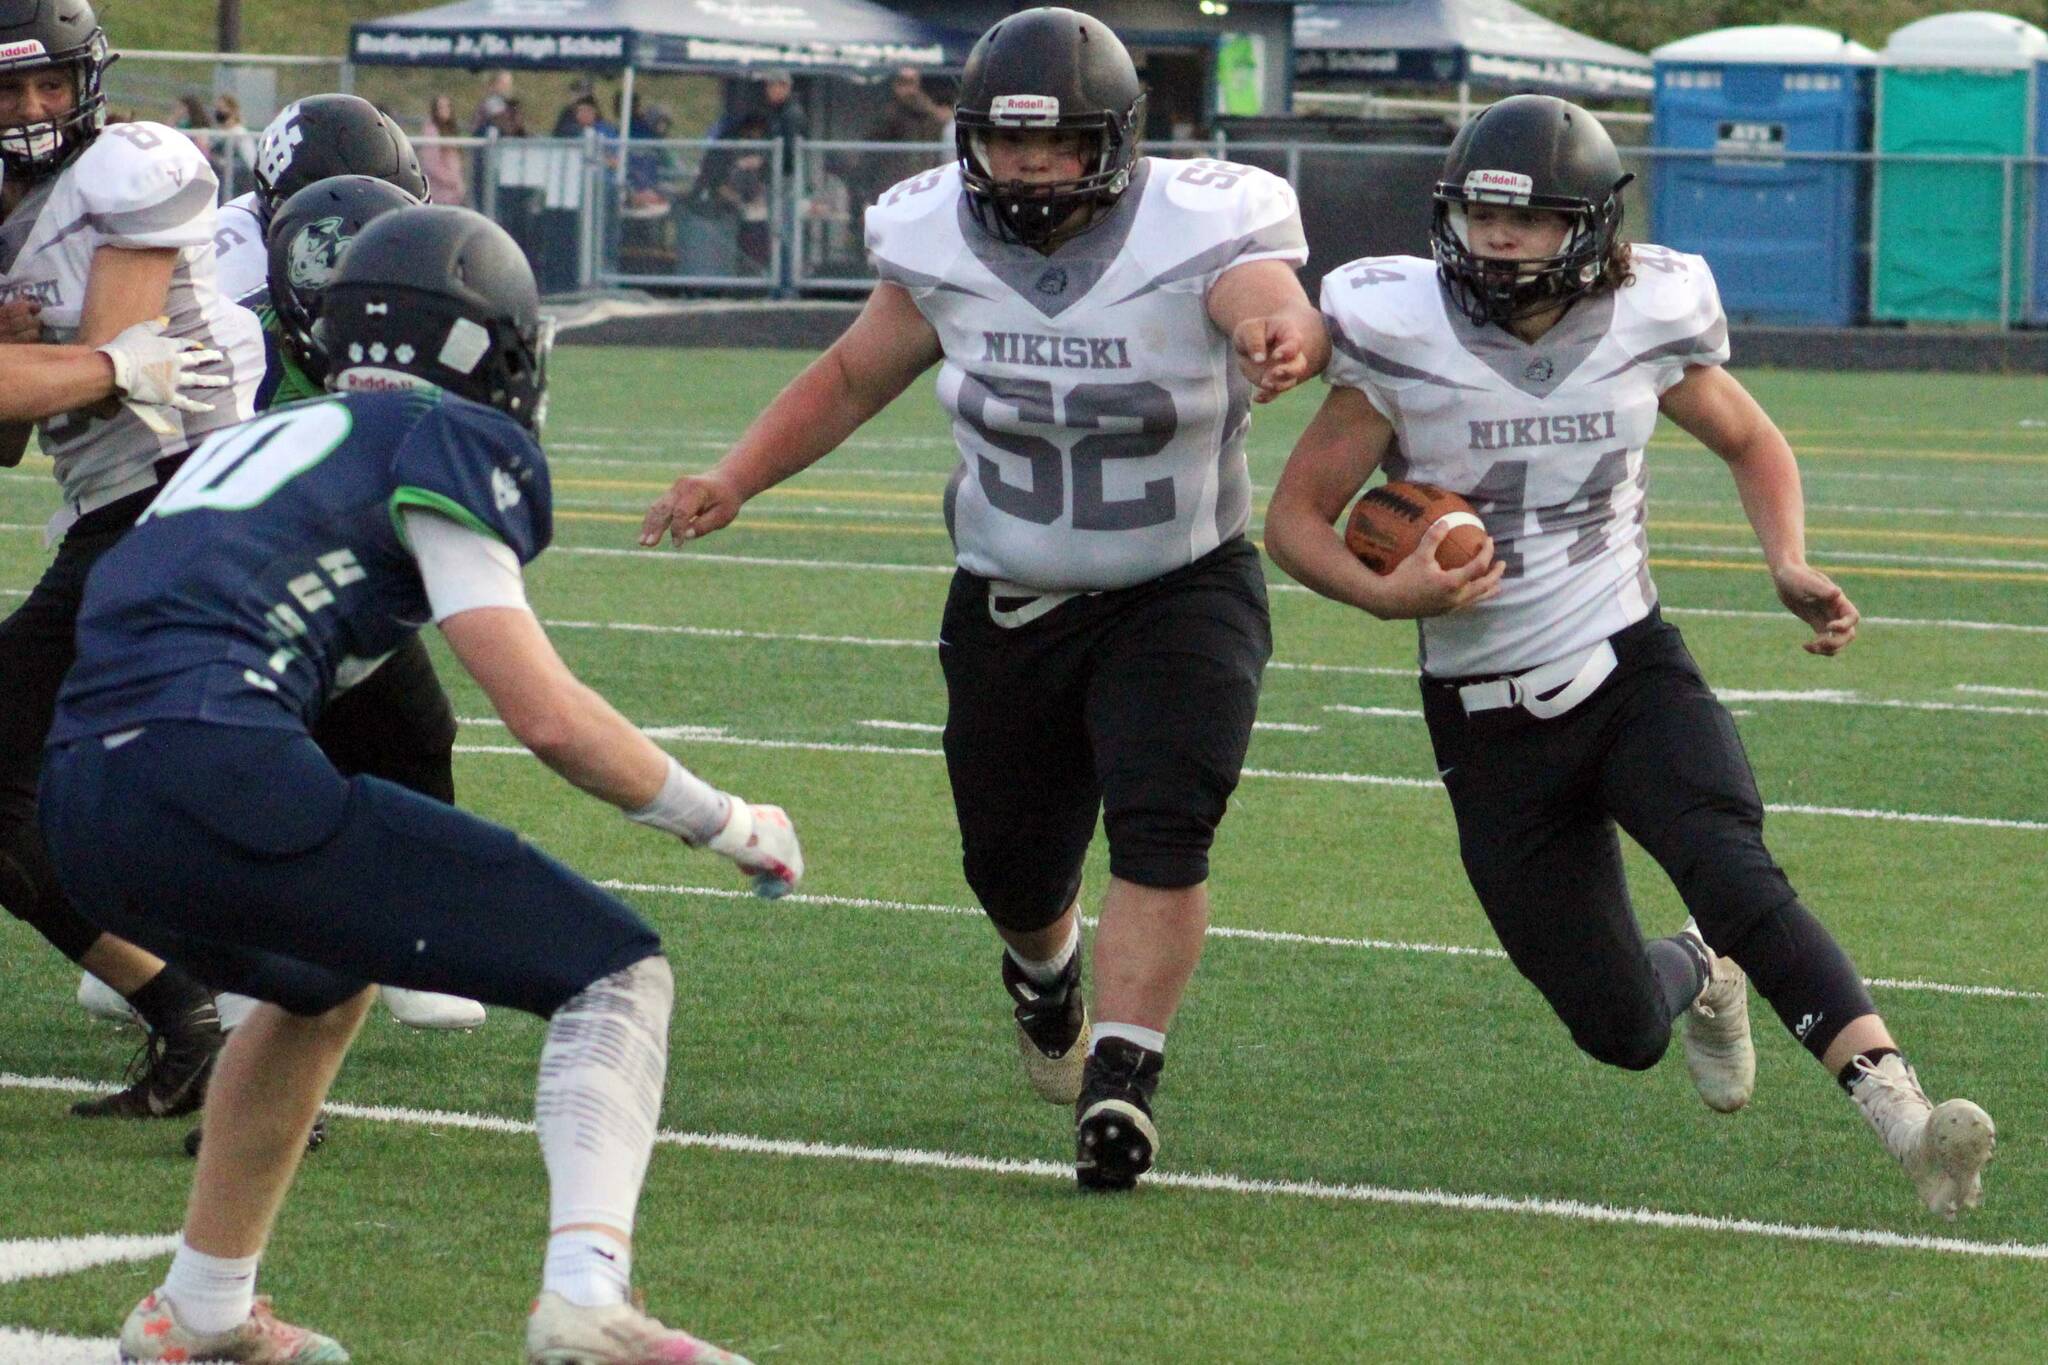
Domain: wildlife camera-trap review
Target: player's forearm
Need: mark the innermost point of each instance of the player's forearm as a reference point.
(1767, 480)
(807, 421)
(1306, 546)
(589, 744)
(42, 381)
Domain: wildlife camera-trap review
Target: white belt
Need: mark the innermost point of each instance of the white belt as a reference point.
(71, 511)
(1546, 690)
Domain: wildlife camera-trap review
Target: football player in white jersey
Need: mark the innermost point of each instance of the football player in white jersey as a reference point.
(102, 228)
(1526, 368)
(1106, 630)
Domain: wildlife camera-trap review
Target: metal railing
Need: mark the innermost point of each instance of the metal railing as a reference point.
(699, 217)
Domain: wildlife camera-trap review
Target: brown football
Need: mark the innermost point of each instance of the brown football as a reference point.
(1390, 521)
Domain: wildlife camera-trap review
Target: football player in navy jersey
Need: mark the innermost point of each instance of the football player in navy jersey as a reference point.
(187, 807)
(1103, 322)
(1526, 367)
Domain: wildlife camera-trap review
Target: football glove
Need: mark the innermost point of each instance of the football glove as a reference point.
(154, 369)
(762, 842)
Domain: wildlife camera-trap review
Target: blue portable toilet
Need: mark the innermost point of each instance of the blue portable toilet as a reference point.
(1785, 238)
(1951, 235)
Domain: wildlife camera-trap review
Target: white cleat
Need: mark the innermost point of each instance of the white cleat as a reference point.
(560, 1333)
(431, 1009)
(1718, 1051)
(102, 1001)
(1943, 1147)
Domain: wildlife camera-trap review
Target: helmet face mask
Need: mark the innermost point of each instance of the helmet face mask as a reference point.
(1528, 152)
(438, 298)
(43, 39)
(1047, 69)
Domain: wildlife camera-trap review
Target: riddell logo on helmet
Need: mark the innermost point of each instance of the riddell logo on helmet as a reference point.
(27, 47)
(1025, 110)
(1508, 186)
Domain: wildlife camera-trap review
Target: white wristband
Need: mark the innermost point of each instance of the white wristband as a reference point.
(686, 806)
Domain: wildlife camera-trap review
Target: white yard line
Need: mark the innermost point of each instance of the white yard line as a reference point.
(703, 735)
(1203, 1182)
(1384, 945)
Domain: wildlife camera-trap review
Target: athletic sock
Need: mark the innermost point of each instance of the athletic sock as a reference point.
(166, 998)
(1151, 1039)
(1680, 970)
(588, 1268)
(596, 1107)
(1048, 972)
(210, 1293)
(1850, 1074)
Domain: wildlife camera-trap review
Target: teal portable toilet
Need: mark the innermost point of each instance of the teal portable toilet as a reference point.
(1785, 237)
(1954, 85)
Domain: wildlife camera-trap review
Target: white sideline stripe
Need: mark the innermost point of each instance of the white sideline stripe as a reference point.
(43, 1257)
(1984, 690)
(871, 566)
(1394, 711)
(1206, 1182)
(921, 727)
(1385, 945)
(1861, 556)
(713, 735)
(21, 1346)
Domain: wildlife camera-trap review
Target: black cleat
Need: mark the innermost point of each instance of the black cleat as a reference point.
(1114, 1140)
(168, 1076)
(1052, 1029)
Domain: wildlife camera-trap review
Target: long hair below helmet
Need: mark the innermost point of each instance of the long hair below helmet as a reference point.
(1051, 69)
(1528, 152)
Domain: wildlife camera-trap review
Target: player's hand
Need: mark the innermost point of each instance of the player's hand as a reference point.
(762, 842)
(1814, 598)
(21, 322)
(1272, 354)
(1419, 586)
(695, 505)
(152, 368)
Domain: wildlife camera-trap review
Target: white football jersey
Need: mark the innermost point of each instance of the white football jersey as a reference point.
(1546, 439)
(1099, 413)
(241, 263)
(140, 186)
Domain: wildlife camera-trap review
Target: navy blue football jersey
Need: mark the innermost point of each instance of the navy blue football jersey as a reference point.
(272, 571)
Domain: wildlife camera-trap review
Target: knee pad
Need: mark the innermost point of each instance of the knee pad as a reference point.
(1021, 898)
(1798, 967)
(1162, 847)
(1632, 1049)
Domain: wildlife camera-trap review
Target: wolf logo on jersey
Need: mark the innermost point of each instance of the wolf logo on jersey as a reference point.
(141, 186)
(1099, 448)
(1546, 439)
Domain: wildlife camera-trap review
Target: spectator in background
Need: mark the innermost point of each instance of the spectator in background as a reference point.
(782, 116)
(912, 116)
(189, 113)
(727, 205)
(490, 110)
(233, 152)
(444, 166)
(649, 171)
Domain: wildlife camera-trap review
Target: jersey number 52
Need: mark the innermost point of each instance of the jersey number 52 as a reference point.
(1126, 422)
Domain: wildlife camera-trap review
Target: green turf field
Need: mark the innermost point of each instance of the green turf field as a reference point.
(1373, 1147)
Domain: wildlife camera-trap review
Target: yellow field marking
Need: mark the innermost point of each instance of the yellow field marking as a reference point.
(1874, 533)
(1857, 570)
(1871, 452)
(819, 494)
